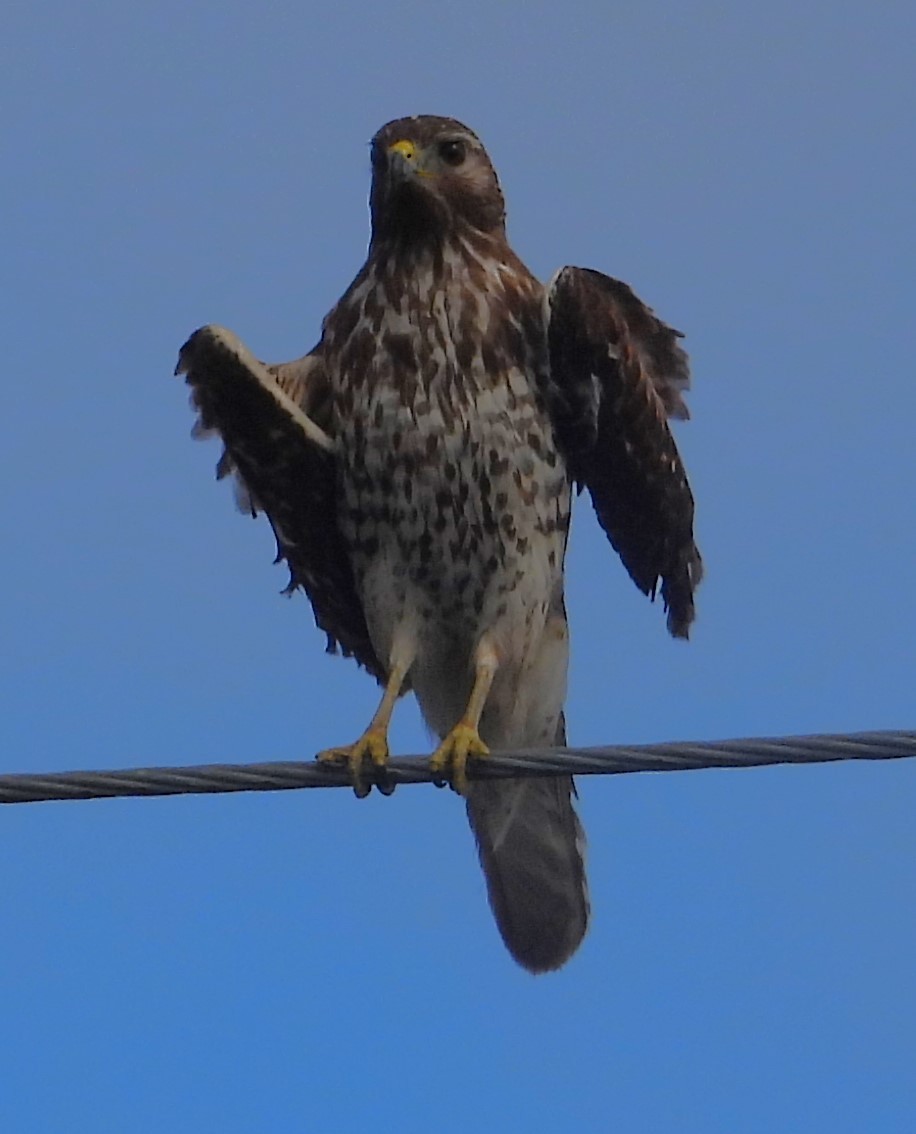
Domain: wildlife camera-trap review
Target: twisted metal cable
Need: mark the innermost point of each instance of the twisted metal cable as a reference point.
(613, 760)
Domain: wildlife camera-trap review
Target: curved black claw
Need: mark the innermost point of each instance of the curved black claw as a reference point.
(383, 781)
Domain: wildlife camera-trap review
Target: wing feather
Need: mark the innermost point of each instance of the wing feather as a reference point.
(617, 373)
(274, 422)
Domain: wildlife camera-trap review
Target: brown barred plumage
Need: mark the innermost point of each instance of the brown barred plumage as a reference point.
(424, 501)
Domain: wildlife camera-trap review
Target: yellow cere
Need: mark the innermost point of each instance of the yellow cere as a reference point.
(405, 148)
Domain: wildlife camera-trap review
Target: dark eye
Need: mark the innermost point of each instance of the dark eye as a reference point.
(453, 152)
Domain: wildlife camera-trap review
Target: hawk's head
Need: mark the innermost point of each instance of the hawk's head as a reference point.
(432, 177)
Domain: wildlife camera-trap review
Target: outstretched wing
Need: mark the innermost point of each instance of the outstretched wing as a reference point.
(617, 374)
(270, 419)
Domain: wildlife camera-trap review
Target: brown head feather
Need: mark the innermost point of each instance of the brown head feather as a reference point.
(446, 185)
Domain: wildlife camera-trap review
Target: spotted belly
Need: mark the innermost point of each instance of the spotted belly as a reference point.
(453, 533)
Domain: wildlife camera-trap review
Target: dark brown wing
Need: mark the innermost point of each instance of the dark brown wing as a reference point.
(617, 375)
(270, 419)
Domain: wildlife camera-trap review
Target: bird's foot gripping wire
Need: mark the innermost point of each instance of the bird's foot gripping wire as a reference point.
(450, 760)
(370, 750)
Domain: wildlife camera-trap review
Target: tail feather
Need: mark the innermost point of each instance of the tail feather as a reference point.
(531, 846)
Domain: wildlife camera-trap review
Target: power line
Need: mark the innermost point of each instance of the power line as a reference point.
(609, 760)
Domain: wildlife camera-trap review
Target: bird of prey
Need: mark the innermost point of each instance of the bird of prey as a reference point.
(417, 468)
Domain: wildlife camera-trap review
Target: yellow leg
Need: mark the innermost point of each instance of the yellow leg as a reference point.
(373, 744)
(464, 742)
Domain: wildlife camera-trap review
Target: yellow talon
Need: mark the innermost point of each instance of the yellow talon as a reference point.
(451, 757)
(372, 746)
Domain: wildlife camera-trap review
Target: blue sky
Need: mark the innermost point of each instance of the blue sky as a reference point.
(302, 961)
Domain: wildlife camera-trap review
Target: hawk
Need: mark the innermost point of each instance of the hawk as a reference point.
(417, 468)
